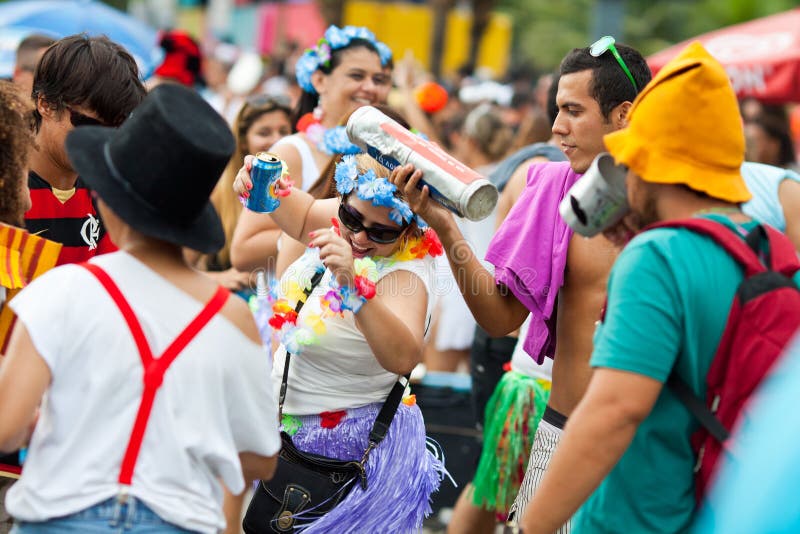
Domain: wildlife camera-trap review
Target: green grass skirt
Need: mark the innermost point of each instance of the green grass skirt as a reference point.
(512, 415)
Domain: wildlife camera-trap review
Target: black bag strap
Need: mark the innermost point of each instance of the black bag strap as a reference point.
(389, 408)
(386, 414)
(315, 280)
(697, 407)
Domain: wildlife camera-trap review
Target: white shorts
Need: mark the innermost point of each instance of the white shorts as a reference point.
(455, 328)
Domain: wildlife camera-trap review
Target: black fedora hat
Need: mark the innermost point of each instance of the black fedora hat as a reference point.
(158, 169)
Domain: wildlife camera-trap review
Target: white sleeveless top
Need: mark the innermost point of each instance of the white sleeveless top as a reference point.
(340, 371)
(310, 169)
(522, 362)
(214, 403)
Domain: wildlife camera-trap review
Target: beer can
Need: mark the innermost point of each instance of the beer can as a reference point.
(451, 183)
(265, 173)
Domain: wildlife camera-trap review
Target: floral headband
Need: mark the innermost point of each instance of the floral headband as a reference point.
(334, 39)
(369, 187)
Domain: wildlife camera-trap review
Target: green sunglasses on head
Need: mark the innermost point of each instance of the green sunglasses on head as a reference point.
(607, 43)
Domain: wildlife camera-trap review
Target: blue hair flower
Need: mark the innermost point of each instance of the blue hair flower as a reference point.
(335, 141)
(346, 175)
(305, 67)
(380, 191)
(384, 191)
(401, 213)
(334, 39)
(384, 52)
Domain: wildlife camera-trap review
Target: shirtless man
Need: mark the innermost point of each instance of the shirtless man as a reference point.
(594, 96)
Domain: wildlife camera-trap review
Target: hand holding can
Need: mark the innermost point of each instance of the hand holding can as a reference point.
(450, 182)
(265, 172)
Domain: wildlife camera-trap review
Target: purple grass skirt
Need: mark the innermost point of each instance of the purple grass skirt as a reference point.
(402, 472)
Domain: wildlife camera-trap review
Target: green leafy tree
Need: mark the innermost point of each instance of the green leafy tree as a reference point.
(544, 30)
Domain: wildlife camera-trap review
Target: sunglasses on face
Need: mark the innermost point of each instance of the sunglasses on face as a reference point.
(351, 219)
(76, 118)
(604, 44)
(276, 101)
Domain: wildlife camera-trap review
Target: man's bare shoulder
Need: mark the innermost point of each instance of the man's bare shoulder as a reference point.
(590, 259)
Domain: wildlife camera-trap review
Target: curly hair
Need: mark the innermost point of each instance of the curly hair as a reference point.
(16, 141)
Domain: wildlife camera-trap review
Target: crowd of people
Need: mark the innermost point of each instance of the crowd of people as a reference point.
(172, 361)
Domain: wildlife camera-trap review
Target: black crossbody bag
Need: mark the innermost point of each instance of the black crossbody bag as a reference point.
(309, 483)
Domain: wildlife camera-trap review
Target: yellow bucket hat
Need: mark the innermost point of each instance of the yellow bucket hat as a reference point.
(685, 128)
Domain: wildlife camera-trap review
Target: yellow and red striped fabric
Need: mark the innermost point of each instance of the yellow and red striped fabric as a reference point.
(23, 257)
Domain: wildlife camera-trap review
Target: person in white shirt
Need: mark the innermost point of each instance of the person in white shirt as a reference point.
(149, 383)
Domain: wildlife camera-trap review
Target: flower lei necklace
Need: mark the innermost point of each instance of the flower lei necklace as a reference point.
(295, 332)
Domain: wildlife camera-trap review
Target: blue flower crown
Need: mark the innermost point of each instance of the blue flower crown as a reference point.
(334, 39)
(378, 190)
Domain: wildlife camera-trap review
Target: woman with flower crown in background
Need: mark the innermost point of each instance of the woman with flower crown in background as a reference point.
(347, 69)
(376, 257)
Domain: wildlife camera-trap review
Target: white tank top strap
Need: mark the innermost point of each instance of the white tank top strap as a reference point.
(310, 169)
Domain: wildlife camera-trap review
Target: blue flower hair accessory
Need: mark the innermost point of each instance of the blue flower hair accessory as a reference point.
(334, 39)
(384, 52)
(368, 186)
(336, 141)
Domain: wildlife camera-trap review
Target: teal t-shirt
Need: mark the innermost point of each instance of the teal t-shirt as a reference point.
(669, 294)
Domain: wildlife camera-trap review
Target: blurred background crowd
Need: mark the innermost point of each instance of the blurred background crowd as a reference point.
(474, 76)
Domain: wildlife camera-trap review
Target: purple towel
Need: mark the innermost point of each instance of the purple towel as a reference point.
(529, 251)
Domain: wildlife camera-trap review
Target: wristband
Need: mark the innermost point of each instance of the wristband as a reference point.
(339, 299)
(351, 299)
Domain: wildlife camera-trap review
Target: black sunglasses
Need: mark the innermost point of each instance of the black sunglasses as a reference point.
(79, 119)
(351, 219)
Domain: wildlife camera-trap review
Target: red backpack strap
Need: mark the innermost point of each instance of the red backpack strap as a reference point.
(723, 236)
(782, 252)
(154, 369)
(127, 312)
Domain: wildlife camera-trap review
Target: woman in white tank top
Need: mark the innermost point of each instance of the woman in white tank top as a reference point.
(346, 359)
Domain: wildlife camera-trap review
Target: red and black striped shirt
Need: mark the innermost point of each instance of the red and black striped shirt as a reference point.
(75, 223)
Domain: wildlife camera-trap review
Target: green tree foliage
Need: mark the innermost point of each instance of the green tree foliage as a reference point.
(545, 30)
(122, 5)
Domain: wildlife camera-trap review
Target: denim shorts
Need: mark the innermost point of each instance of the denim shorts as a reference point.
(132, 517)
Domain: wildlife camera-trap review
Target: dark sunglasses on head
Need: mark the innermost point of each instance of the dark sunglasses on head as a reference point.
(79, 119)
(351, 219)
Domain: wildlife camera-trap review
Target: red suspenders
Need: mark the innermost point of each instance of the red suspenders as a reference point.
(154, 369)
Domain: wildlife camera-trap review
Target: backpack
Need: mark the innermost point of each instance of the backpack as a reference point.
(763, 318)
